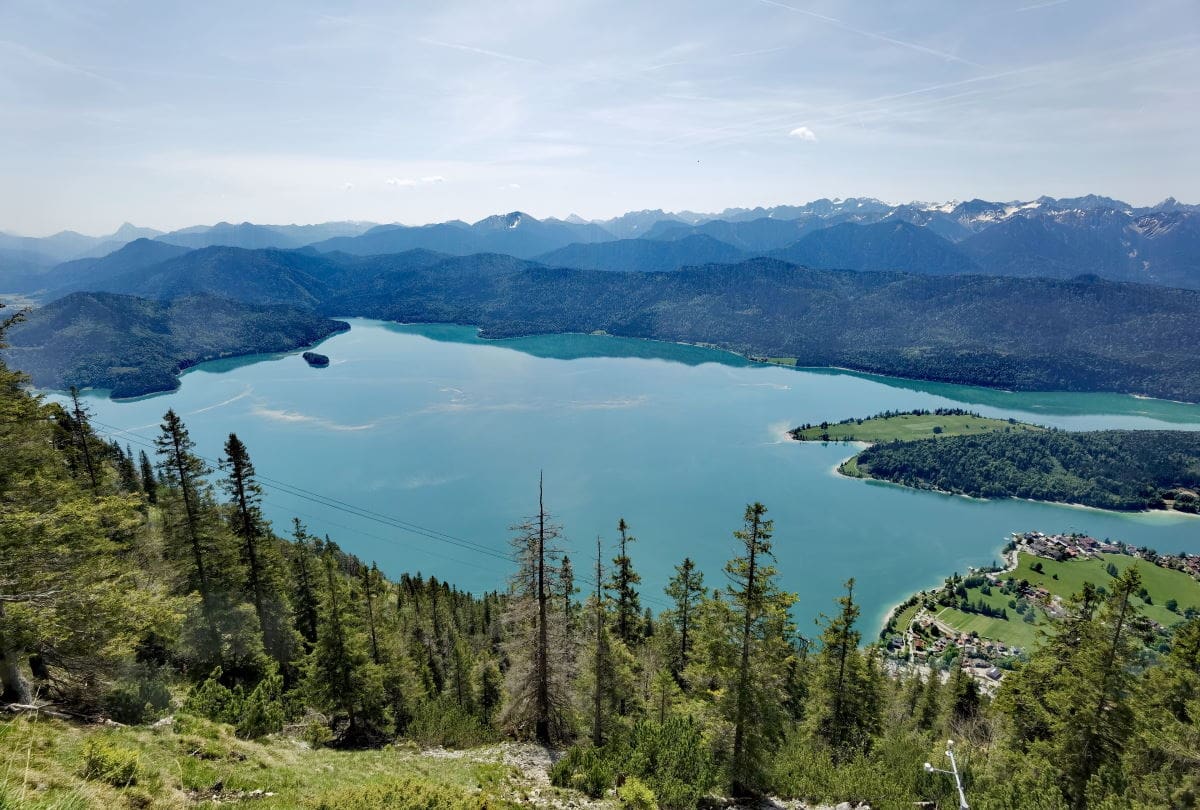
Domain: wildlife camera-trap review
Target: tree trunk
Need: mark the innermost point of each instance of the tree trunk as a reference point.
(543, 642)
(13, 686)
(189, 508)
(250, 536)
(597, 697)
(744, 669)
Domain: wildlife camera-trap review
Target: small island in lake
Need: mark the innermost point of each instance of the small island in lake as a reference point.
(316, 360)
(962, 453)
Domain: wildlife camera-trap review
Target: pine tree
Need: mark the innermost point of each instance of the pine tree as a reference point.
(608, 677)
(304, 587)
(73, 600)
(965, 697)
(185, 472)
(539, 642)
(687, 590)
(930, 702)
(1095, 716)
(847, 702)
(601, 662)
(260, 554)
(568, 588)
(624, 578)
(83, 435)
(372, 584)
(340, 676)
(759, 611)
(149, 480)
(1073, 703)
(126, 471)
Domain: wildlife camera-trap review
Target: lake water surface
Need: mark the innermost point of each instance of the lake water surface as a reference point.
(432, 426)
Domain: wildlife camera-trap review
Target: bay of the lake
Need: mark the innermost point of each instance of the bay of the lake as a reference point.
(431, 426)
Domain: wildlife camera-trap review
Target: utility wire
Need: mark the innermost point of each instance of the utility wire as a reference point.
(357, 511)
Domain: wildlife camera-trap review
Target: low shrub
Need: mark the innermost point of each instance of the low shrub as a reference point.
(444, 722)
(635, 795)
(406, 794)
(105, 762)
(316, 733)
(215, 701)
(587, 770)
(139, 700)
(672, 760)
(262, 712)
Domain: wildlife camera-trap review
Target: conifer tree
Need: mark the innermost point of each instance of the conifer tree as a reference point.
(624, 580)
(965, 697)
(1095, 717)
(340, 676)
(83, 432)
(846, 712)
(372, 584)
(304, 583)
(539, 643)
(568, 588)
(149, 480)
(1072, 705)
(72, 600)
(126, 471)
(260, 556)
(930, 702)
(608, 678)
(687, 590)
(185, 472)
(491, 691)
(759, 611)
(601, 663)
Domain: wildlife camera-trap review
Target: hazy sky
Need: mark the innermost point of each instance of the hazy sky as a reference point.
(169, 114)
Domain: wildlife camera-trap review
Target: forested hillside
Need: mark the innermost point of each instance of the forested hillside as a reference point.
(1013, 333)
(1023, 334)
(132, 346)
(1109, 469)
(143, 582)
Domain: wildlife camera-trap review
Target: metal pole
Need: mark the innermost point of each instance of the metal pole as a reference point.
(962, 797)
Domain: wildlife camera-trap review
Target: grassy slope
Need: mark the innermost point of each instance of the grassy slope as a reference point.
(179, 767)
(1161, 583)
(906, 427)
(1014, 632)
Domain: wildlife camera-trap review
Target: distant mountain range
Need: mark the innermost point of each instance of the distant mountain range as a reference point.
(1047, 237)
(1018, 295)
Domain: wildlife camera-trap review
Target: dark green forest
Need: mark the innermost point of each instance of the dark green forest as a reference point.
(1109, 469)
(1033, 334)
(132, 346)
(138, 583)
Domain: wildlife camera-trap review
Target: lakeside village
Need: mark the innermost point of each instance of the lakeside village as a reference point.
(928, 631)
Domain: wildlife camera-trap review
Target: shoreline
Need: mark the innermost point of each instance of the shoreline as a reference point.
(745, 358)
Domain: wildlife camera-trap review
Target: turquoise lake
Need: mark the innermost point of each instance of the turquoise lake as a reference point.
(432, 426)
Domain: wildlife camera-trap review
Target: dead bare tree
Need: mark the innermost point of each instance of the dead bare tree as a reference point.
(539, 648)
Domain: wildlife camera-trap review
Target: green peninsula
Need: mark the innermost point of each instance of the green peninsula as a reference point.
(902, 426)
(963, 453)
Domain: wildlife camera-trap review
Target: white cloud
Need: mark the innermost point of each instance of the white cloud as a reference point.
(347, 186)
(409, 182)
(804, 134)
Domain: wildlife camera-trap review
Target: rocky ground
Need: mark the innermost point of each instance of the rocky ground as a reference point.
(528, 781)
